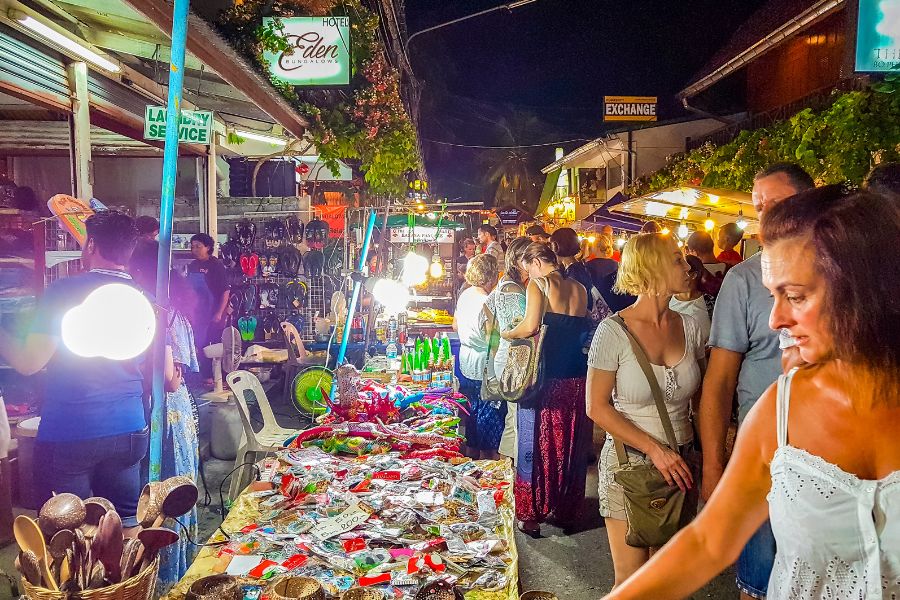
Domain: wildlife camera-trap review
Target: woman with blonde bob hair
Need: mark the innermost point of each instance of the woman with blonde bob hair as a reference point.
(484, 425)
(818, 453)
(619, 397)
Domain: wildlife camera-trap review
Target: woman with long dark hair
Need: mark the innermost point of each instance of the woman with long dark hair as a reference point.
(503, 310)
(818, 453)
(554, 434)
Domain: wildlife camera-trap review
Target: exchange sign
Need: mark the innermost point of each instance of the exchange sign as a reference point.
(878, 36)
(318, 53)
(629, 108)
(195, 126)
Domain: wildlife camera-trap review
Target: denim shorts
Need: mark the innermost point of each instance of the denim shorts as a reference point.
(754, 565)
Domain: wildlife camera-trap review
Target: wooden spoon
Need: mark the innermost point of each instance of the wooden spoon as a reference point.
(29, 537)
(108, 545)
(97, 578)
(28, 565)
(181, 497)
(129, 556)
(154, 540)
(82, 560)
(60, 543)
(65, 569)
(95, 507)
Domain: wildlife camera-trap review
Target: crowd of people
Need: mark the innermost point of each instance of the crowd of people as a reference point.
(658, 347)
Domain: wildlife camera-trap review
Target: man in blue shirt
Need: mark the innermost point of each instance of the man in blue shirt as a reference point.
(93, 432)
(744, 357)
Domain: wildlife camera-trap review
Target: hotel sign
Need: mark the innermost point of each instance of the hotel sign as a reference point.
(629, 108)
(318, 52)
(878, 36)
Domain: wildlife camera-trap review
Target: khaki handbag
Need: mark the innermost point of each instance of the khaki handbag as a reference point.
(522, 377)
(654, 508)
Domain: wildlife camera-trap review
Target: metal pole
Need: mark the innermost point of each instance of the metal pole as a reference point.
(166, 207)
(510, 6)
(357, 285)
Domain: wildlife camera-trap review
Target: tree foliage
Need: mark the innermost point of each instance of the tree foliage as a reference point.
(837, 144)
(367, 125)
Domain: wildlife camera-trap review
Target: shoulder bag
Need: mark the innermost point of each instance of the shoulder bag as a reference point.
(653, 507)
(522, 377)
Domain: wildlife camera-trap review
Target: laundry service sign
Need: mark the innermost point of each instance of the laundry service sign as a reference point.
(318, 51)
(195, 126)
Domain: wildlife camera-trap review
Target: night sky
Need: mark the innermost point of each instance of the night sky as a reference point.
(541, 71)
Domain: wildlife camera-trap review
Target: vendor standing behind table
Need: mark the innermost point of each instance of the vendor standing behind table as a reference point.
(206, 274)
(93, 432)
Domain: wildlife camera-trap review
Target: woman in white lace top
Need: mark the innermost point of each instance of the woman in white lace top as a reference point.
(818, 453)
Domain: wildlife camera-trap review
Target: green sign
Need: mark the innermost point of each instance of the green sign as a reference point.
(878, 36)
(195, 127)
(319, 52)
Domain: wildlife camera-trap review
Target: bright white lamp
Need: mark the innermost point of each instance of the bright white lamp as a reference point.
(115, 321)
(391, 294)
(683, 231)
(415, 269)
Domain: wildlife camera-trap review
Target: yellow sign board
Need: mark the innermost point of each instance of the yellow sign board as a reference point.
(629, 108)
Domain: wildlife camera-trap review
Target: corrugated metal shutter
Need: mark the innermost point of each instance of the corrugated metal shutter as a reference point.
(107, 92)
(33, 71)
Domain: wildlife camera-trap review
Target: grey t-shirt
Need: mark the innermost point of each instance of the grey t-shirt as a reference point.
(740, 323)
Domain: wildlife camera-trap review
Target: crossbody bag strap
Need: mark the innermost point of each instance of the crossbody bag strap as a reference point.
(644, 362)
(543, 285)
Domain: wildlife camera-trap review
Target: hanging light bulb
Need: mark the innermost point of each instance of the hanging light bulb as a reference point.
(415, 269)
(709, 224)
(666, 231)
(392, 295)
(741, 222)
(437, 268)
(621, 241)
(680, 244)
(683, 231)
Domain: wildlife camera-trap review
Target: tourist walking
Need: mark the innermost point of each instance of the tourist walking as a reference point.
(694, 302)
(554, 433)
(603, 271)
(503, 310)
(744, 358)
(484, 425)
(619, 396)
(814, 445)
(488, 238)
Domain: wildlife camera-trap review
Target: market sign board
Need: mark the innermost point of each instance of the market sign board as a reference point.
(878, 36)
(195, 126)
(421, 235)
(629, 108)
(319, 52)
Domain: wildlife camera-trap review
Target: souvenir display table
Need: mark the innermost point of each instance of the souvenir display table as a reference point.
(375, 495)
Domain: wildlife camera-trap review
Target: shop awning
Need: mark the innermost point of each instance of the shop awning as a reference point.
(548, 191)
(690, 204)
(397, 221)
(602, 216)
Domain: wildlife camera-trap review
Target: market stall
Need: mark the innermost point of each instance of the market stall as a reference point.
(375, 496)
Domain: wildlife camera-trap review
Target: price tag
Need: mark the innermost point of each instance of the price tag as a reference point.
(351, 518)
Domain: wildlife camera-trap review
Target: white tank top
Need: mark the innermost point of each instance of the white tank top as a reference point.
(838, 536)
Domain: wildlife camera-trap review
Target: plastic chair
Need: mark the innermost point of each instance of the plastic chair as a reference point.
(296, 361)
(270, 439)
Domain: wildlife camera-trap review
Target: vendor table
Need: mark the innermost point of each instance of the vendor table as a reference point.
(247, 512)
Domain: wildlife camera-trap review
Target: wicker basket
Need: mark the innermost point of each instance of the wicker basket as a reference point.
(139, 587)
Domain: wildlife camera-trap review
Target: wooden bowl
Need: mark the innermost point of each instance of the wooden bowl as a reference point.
(149, 506)
(538, 595)
(63, 511)
(296, 588)
(439, 590)
(215, 587)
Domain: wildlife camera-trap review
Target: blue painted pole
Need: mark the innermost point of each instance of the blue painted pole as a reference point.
(367, 240)
(166, 207)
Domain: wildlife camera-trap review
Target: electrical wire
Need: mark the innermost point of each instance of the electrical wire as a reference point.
(443, 143)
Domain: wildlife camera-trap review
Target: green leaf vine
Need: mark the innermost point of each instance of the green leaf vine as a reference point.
(838, 144)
